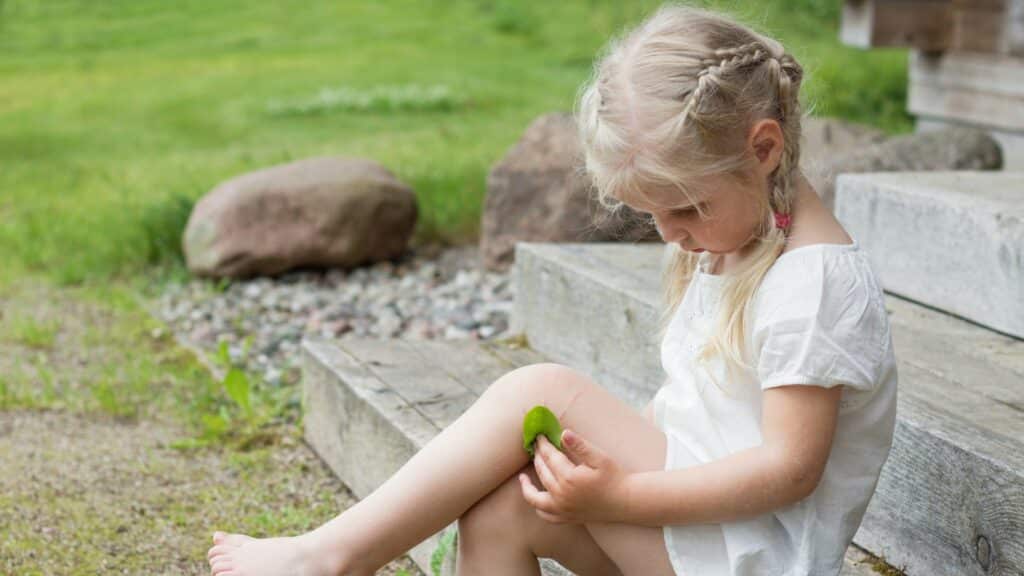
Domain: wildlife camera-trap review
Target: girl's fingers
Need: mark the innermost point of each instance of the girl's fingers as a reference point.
(547, 477)
(553, 519)
(556, 460)
(541, 501)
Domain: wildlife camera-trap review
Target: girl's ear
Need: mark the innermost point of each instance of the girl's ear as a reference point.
(766, 141)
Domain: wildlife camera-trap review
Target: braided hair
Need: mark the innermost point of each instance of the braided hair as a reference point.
(785, 74)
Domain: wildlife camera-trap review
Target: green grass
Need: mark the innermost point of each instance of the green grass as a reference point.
(118, 115)
(27, 330)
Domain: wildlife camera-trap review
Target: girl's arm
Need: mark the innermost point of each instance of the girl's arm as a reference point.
(797, 427)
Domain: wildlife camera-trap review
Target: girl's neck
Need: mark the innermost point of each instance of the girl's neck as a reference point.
(805, 204)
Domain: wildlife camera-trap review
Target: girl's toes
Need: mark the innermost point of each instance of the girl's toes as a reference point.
(220, 566)
(218, 550)
(235, 539)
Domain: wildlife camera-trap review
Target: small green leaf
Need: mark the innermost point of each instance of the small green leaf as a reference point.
(444, 545)
(236, 383)
(541, 420)
(215, 425)
(246, 346)
(223, 354)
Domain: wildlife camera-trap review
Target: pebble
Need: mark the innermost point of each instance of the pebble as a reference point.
(430, 293)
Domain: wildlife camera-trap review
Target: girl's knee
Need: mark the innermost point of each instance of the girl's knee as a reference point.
(544, 371)
(543, 376)
(502, 512)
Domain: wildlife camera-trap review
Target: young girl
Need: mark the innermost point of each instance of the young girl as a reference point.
(760, 452)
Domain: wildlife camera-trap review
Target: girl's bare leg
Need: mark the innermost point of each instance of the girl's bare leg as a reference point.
(462, 464)
(503, 535)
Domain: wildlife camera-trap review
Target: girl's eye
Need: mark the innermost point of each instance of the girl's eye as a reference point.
(684, 211)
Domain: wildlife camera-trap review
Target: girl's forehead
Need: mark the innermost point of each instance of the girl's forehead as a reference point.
(652, 199)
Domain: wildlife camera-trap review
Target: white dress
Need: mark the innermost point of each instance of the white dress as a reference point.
(818, 319)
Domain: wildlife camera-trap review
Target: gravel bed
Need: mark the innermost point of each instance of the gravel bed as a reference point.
(428, 293)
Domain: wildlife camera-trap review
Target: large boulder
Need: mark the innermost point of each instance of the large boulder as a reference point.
(540, 193)
(318, 212)
(941, 150)
(825, 139)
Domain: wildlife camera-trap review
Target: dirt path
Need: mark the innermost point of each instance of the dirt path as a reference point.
(91, 482)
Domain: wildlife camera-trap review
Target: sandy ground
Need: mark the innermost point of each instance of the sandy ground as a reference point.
(87, 491)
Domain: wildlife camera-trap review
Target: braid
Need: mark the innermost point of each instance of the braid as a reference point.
(786, 74)
(725, 61)
(740, 56)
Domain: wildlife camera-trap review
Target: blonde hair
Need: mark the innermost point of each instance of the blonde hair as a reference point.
(671, 102)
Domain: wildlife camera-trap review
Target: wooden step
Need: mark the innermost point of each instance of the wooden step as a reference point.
(951, 240)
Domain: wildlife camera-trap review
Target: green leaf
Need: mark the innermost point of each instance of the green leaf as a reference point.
(223, 355)
(236, 383)
(246, 346)
(541, 420)
(215, 424)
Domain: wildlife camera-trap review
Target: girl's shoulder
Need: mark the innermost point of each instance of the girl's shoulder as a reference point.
(815, 278)
(820, 256)
(819, 316)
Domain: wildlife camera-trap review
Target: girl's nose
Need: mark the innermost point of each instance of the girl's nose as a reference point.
(672, 234)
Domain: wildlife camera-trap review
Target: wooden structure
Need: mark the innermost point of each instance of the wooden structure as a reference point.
(966, 63)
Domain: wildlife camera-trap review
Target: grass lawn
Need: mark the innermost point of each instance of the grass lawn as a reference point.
(115, 116)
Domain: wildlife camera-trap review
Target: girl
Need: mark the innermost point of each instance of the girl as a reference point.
(760, 452)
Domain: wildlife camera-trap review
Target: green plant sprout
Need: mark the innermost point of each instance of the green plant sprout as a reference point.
(540, 420)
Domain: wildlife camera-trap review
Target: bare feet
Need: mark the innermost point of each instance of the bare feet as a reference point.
(240, 555)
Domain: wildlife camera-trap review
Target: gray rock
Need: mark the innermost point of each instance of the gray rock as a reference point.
(823, 140)
(950, 149)
(418, 298)
(539, 193)
(319, 212)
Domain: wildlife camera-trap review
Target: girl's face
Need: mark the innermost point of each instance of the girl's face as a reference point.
(730, 221)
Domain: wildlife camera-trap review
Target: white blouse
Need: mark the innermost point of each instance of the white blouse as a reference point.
(819, 319)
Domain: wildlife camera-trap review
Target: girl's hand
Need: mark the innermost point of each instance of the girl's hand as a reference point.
(583, 485)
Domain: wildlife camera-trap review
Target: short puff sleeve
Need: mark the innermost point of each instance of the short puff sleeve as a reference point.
(820, 320)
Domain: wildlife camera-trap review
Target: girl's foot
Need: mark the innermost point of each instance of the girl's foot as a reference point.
(240, 555)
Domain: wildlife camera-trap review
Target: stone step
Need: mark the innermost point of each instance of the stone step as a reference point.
(370, 405)
(951, 240)
(951, 496)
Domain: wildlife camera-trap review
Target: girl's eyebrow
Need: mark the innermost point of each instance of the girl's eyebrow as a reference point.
(671, 209)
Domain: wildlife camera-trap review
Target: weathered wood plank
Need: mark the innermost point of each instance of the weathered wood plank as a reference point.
(992, 365)
(1015, 28)
(514, 355)
(924, 24)
(340, 419)
(433, 393)
(463, 361)
(979, 31)
(940, 507)
(982, 89)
